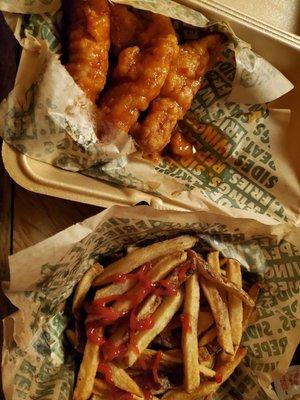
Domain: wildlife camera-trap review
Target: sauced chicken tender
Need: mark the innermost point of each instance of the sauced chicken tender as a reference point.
(139, 77)
(89, 42)
(181, 85)
(125, 27)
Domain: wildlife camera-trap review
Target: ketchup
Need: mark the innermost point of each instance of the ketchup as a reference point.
(111, 351)
(140, 325)
(141, 362)
(125, 396)
(166, 288)
(99, 307)
(119, 278)
(147, 395)
(94, 333)
(106, 370)
(142, 290)
(185, 320)
(133, 344)
(184, 269)
(157, 360)
(218, 378)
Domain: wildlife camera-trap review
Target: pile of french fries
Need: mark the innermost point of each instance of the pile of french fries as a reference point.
(161, 322)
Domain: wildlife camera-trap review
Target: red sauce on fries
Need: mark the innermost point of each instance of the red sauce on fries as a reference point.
(166, 288)
(94, 333)
(106, 370)
(157, 360)
(142, 363)
(218, 378)
(147, 395)
(111, 351)
(185, 267)
(125, 396)
(142, 324)
(99, 307)
(185, 321)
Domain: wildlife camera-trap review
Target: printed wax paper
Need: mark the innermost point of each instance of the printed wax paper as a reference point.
(35, 363)
(238, 164)
(288, 386)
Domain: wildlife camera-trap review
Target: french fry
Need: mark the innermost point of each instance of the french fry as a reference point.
(153, 301)
(223, 370)
(205, 321)
(84, 286)
(248, 311)
(144, 254)
(121, 334)
(161, 317)
(223, 261)
(206, 371)
(235, 305)
(219, 280)
(123, 381)
(165, 265)
(168, 358)
(87, 372)
(114, 289)
(225, 319)
(104, 391)
(190, 334)
(109, 394)
(214, 263)
(161, 268)
(205, 358)
(220, 314)
(208, 336)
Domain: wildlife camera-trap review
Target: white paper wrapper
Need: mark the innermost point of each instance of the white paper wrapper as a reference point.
(239, 163)
(35, 364)
(288, 386)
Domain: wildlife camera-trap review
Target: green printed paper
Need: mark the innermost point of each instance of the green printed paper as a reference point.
(238, 161)
(37, 361)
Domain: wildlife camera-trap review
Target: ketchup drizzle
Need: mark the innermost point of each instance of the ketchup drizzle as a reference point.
(94, 333)
(185, 321)
(185, 267)
(157, 360)
(99, 307)
(142, 324)
(111, 351)
(218, 378)
(166, 288)
(142, 363)
(106, 370)
(147, 395)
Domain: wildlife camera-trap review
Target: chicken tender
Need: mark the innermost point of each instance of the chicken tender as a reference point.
(181, 85)
(139, 77)
(126, 25)
(89, 42)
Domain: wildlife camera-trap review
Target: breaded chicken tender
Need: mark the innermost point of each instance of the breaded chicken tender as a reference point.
(181, 85)
(89, 42)
(139, 77)
(126, 25)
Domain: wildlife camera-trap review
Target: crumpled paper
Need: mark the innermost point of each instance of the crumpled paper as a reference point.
(35, 363)
(238, 163)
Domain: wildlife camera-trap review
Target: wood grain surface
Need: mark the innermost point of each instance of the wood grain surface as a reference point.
(37, 217)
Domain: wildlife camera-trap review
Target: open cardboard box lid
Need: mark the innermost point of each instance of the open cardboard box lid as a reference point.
(278, 46)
